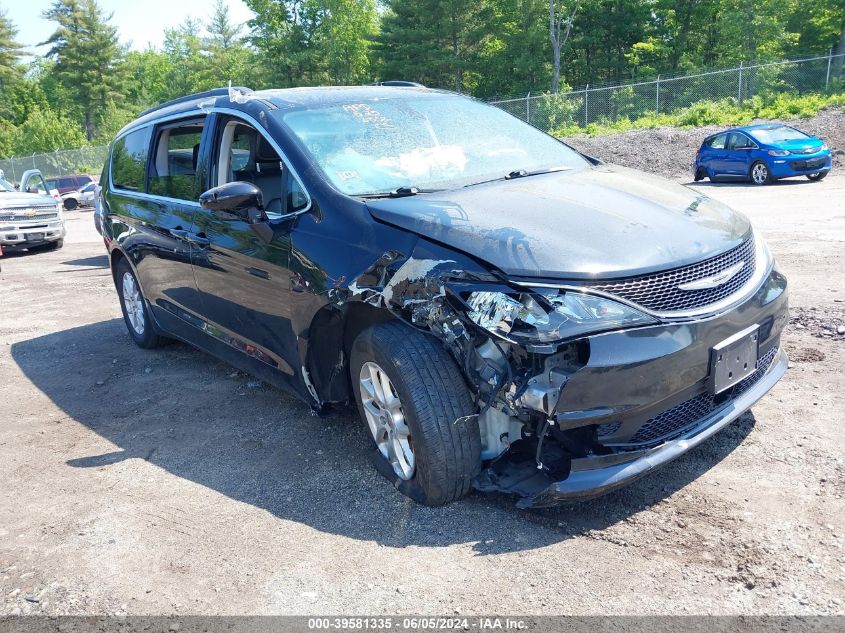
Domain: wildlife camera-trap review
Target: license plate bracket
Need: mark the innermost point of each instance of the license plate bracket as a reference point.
(734, 359)
(34, 237)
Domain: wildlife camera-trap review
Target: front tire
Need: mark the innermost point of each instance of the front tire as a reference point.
(136, 313)
(418, 411)
(760, 174)
(71, 204)
(816, 177)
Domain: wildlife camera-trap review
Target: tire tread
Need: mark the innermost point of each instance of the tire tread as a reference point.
(450, 455)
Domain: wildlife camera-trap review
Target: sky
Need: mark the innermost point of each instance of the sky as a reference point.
(141, 22)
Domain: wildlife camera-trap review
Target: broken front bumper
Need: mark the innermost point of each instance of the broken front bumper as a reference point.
(586, 484)
(646, 397)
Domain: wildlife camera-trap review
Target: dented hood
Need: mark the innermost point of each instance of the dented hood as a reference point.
(606, 221)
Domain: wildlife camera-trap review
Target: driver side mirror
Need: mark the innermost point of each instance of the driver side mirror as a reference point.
(240, 200)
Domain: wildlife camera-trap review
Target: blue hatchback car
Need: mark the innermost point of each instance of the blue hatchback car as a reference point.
(762, 153)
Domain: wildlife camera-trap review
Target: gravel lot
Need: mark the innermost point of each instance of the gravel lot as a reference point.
(167, 483)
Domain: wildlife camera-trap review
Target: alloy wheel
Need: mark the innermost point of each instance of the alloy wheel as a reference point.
(759, 173)
(134, 303)
(386, 419)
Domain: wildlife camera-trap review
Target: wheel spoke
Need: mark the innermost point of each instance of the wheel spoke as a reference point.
(367, 386)
(386, 388)
(402, 430)
(373, 409)
(375, 379)
(384, 415)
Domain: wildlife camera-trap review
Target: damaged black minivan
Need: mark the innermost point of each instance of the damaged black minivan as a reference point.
(506, 313)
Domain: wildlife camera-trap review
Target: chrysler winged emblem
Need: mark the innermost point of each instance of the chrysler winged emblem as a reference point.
(713, 281)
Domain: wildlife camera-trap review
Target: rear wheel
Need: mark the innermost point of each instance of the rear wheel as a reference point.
(134, 307)
(760, 174)
(816, 177)
(418, 410)
(700, 174)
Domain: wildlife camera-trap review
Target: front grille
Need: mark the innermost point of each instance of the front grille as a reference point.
(801, 165)
(659, 291)
(10, 215)
(808, 150)
(673, 422)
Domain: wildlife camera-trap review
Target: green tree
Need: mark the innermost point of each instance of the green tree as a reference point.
(284, 33)
(10, 51)
(46, 131)
(87, 53)
(436, 42)
(189, 69)
(148, 76)
(344, 35)
(227, 54)
(515, 60)
(562, 16)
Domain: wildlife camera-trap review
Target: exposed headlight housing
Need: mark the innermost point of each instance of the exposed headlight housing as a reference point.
(547, 317)
(778, 152)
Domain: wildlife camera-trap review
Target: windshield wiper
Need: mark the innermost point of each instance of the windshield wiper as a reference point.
(519, 173)
(400, 192)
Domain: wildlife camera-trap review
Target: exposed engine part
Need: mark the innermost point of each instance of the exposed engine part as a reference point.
(498, 432)
(543, 392)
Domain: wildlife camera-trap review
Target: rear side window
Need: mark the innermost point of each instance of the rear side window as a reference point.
(739, 141)
(174, 170)
(129, 160)
(718, 142)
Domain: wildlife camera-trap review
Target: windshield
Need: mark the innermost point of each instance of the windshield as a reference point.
(5, 186)
(777, 135)
(424, 141)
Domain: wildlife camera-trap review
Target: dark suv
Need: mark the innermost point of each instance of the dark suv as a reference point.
(506, 313)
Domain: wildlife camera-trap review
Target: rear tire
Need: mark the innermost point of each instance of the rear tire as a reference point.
(816, 177)
(422, 414)
(760, 174)
(136, 313)
(700, 174)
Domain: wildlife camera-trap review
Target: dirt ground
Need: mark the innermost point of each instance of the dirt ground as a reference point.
(165, 482)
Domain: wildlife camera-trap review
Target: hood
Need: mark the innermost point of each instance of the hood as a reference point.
(599, 222)
(799, 143)
(18, 200)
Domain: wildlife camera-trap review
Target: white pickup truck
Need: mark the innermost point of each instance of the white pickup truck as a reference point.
(31, 217)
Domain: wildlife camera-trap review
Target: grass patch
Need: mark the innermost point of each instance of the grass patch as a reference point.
(727, 112)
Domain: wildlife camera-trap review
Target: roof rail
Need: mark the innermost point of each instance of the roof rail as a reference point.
(397, 83)
(216, 92)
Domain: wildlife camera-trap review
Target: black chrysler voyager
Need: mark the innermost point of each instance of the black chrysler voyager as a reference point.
(506, 313)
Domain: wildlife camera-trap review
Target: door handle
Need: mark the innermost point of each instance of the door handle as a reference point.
(193, 238)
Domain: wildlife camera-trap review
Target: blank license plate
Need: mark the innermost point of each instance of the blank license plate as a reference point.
(34, 237)
(734, 359)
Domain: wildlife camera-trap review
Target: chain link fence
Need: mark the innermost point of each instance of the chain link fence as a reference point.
(86, 160)
(664, 95)
(576, 108)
